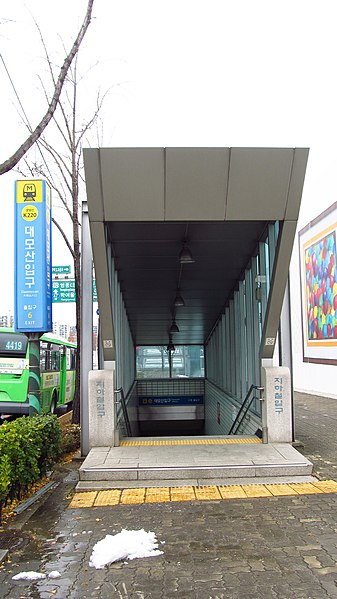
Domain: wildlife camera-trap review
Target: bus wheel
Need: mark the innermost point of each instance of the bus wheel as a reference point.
(53, 404)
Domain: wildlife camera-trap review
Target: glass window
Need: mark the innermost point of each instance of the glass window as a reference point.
(73, 359)
(49, 358)
(42, 359)
(55, 360)
(152, 362)
(186, 361)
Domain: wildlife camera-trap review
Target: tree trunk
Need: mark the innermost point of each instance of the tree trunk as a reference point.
(77, 266)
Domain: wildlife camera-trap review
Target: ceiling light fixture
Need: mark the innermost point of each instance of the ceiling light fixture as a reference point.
(185, 256)
(178, 300)
(174, 327)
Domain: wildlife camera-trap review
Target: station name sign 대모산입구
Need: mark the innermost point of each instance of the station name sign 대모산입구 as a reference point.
(33, 283)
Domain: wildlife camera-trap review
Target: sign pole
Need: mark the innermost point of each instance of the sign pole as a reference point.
(33, 276)
(34, 394)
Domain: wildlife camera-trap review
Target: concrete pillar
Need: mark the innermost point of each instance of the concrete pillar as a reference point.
(276, 405)
(102, 410)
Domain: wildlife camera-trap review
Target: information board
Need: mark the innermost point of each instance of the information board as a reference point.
(33, 276)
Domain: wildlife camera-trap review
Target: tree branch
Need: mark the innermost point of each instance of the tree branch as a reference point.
(64, 237)
(34, 136)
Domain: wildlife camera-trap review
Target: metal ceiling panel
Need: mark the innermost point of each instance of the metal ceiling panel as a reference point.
(258, 183)
(151, 199)
(133, 183)
(149, 278)
(196, 183)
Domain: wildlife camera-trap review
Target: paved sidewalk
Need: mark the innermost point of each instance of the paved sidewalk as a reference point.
(261, 548)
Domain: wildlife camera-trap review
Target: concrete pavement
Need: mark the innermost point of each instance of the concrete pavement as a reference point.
(261, 548)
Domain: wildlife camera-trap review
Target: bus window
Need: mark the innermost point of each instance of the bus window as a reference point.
(55, 359)
(72, 359)
(42, 359)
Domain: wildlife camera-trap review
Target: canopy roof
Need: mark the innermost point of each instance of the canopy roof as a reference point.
(145, 202)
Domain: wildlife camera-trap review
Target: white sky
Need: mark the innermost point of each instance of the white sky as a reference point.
(181, 73)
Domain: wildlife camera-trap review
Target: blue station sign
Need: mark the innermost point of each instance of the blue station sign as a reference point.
(171, 400)
(33, 274)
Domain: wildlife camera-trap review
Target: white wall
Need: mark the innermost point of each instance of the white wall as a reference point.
(320, 192)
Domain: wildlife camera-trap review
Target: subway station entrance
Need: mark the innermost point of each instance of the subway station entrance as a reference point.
(191, 250)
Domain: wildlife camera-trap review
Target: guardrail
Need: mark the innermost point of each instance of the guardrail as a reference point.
(242, 413)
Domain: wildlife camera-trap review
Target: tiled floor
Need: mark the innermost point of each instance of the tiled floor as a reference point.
(195, 462)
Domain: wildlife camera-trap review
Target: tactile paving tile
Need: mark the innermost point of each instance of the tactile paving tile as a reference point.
(157, 495)
(256, 491)
(327, 486)
(232, 492)
(157, 442)
(281, 489)
(182, 494)
(305, 488)
(85, 499)
(111, 497)
(207, 493)
(130, 496)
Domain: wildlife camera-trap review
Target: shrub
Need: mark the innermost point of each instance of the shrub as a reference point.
(28, 448)
(70, 439)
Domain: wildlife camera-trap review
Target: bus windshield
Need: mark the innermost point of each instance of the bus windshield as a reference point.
(13, 344)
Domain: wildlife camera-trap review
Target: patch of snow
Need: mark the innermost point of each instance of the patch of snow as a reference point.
(54, 574)
(28, 576)
(128, 544)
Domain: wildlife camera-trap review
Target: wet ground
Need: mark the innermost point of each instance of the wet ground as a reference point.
(278, 547)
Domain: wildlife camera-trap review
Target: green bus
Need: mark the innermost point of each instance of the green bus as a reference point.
(57, 366)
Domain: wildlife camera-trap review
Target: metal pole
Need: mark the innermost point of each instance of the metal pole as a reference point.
(34, 395)
(86, 327)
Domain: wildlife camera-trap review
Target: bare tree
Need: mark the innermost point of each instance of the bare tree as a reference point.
(60, 161)
(35, 134)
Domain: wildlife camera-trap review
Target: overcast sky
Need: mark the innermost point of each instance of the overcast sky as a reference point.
(181, 73)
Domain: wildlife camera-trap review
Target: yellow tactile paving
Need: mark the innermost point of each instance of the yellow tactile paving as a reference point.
(305, 488)
(232, 492)
(159, 442)
(327, 486)
(256, 490)
(182, 493)
(281, 489)
(207, 493)
(85, 499)
(157, 495)
(110, 497)
(202, 493)
(129, 496)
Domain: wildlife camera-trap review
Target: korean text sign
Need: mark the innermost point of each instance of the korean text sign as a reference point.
(33, 247)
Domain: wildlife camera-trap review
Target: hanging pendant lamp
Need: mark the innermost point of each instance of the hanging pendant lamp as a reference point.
(174, 327)
(178, 300)
(185, 256)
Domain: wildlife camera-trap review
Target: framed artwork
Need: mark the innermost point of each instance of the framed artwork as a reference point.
(318, 272)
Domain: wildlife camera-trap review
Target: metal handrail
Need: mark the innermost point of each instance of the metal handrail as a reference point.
(241, 415)
(125, 411)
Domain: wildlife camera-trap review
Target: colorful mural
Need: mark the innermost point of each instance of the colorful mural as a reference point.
(318, 265)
